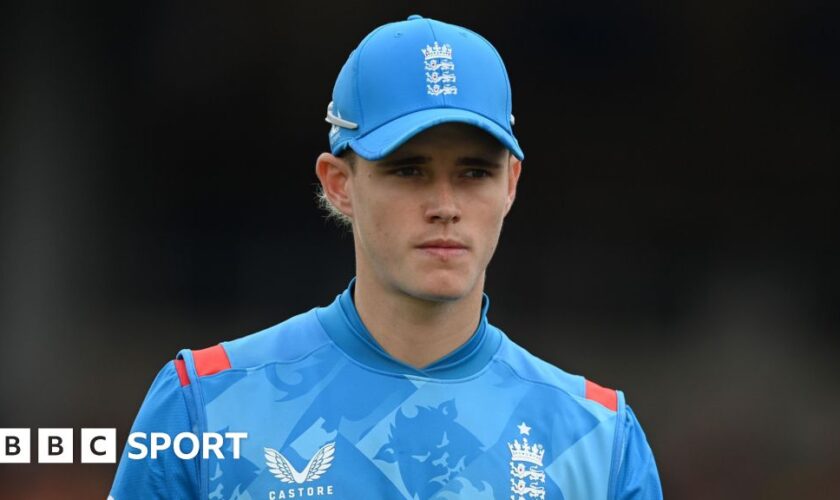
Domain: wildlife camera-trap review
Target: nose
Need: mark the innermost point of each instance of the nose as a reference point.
(442, 205)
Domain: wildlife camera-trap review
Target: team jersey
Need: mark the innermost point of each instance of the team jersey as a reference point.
(330, 414)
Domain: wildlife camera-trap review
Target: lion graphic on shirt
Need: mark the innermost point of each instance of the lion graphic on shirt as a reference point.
(430, 448)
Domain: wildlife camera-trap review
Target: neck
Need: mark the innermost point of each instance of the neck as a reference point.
(413, 330)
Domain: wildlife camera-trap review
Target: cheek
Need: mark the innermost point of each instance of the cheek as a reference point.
(490, 214)
(490, 208)
(388, 217)
(384, 221)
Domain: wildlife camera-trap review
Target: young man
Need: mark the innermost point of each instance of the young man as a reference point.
(400, 388)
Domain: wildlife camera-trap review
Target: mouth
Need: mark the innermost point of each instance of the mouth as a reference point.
(443, 249)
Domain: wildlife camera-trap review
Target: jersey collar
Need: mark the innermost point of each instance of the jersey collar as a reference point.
(344, 326)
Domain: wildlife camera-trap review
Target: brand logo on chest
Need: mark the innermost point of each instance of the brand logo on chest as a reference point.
(283, 470)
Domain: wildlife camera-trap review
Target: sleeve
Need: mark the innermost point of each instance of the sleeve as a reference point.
(638, 478)
(168, 477)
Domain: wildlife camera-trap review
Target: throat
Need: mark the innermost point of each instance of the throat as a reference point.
(414, 331)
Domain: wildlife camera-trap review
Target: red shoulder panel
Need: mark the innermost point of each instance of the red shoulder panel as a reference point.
(607, 397)
(211, 360)
(181, 368)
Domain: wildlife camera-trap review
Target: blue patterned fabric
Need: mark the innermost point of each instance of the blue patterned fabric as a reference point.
(329, 414)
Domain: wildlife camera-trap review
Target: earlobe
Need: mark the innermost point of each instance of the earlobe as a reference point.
(334, 174)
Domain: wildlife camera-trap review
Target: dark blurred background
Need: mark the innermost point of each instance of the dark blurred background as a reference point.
(673, 236)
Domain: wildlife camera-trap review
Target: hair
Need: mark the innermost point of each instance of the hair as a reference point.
(324, 203)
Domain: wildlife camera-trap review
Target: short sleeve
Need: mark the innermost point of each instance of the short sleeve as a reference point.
(638, 478)
(163, 410)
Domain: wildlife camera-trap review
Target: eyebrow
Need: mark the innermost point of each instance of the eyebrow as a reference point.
(465, 161)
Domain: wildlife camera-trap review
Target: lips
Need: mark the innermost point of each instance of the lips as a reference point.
(444, 249)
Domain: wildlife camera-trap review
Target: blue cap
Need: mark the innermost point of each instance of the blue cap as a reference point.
(408, 76)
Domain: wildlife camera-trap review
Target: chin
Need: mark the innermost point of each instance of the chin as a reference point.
(442, 286)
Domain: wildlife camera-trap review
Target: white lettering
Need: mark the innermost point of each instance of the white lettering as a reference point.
(301, 492)
(236, 437)
(176, 445)
(215, 446)
(160, 441)
(134, 441)
(138, 449)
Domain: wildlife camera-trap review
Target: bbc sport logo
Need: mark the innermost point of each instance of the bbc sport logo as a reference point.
(55, 446)
(99, 445)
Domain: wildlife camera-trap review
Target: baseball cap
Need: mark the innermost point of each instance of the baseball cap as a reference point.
(408, 76)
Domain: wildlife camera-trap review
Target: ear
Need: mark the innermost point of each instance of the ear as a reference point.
(514, 170)
(334, 174)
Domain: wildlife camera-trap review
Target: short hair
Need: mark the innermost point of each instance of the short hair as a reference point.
(324, 203)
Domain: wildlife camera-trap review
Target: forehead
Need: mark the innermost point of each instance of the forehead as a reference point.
(453, 136)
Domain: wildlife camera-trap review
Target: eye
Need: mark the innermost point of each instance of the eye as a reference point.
(477, 173)
(406, 172)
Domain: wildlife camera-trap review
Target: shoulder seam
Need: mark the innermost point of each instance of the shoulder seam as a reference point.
(208, 361)
(618, 445)
(181, 370)
(578, 397)
(273, 361)
(604, 396)
(539, 382)
(211, 360)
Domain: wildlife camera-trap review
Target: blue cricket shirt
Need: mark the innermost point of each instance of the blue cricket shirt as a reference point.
(330, 414)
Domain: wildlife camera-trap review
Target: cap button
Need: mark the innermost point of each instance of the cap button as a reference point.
(414, 16)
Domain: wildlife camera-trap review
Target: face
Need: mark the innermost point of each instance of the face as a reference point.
(427, 218)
